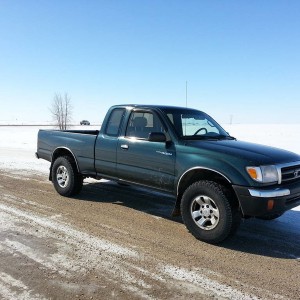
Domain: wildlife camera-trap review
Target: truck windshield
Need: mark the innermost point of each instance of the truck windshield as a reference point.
(194, 124)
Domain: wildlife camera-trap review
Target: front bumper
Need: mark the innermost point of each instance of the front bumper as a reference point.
(258, 202)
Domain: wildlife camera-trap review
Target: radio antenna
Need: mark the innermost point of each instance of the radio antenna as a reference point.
(186, 94)
(185, 106)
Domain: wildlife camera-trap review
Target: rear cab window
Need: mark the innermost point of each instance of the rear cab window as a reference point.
(114, 122)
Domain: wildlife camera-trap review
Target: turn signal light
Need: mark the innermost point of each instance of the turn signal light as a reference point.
(253, 173)
(270, 204)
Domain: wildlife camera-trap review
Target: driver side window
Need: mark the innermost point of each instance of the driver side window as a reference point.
(142, 123)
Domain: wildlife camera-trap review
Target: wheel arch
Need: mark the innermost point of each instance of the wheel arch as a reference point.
(202, 173)
(63, 151)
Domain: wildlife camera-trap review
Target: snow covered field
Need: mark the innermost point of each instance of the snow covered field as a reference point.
(285, 136)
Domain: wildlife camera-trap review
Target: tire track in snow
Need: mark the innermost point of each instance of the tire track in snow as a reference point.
(14, 289)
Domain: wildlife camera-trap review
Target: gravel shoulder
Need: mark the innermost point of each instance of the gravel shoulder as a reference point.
(117, 241)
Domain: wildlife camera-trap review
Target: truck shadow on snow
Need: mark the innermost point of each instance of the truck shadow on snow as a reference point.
(278, 238)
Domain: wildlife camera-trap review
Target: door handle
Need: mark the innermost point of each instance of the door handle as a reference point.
(124, 147)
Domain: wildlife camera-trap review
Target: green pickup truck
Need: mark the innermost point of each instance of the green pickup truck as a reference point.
(216, 179)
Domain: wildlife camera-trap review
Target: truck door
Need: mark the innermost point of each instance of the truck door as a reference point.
(142, 161)
(106, 144)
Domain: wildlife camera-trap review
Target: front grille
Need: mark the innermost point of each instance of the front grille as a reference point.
(290, 173)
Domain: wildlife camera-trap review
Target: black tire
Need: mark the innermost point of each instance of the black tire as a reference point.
(65, 177)
(209, 212)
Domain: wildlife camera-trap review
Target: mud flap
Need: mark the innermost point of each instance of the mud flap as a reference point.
(50, 172)
(176, 210)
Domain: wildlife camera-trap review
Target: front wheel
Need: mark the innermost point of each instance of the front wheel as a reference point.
(209, 212)
(65, 177)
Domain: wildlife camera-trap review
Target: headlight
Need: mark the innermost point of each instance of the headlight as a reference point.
(264, 174)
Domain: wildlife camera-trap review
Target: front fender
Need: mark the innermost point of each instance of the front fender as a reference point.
(232, 169)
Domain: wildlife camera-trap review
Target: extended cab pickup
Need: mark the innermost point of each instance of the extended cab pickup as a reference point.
(215, 178)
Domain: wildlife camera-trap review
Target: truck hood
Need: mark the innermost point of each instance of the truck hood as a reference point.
(255, 153)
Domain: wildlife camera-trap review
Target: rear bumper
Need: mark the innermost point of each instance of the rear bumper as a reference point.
(257, 202)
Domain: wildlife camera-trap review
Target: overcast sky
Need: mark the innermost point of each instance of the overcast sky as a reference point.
(240, 58)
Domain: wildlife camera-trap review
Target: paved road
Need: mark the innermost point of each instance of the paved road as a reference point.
(119, 242)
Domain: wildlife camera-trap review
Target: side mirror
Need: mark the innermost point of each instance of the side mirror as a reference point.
(157, 137)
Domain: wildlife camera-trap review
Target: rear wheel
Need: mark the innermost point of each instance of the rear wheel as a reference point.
(209, 212)
(65, 177)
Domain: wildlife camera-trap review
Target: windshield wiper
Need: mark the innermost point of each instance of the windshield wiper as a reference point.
(225, 137)
(201, 137)
(209, 137)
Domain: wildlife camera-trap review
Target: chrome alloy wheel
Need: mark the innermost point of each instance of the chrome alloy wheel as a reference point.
(62, 176)
(205, 212)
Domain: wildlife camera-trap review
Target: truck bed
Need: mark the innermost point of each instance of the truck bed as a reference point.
(81, 143)
(90, 132)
